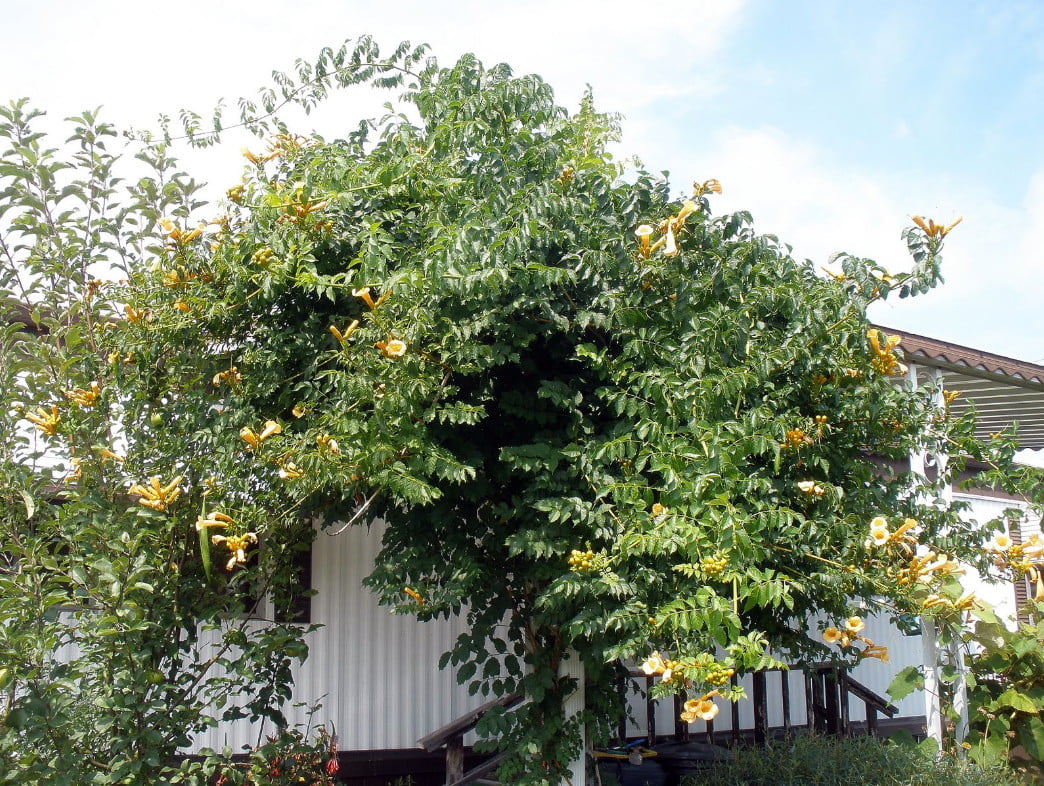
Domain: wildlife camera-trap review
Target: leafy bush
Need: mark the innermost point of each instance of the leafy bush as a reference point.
(832, 761)
(288, 757)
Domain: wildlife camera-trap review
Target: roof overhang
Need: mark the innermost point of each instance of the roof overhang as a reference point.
(1004, 392)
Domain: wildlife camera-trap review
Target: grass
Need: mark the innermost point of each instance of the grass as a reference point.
(862, 761)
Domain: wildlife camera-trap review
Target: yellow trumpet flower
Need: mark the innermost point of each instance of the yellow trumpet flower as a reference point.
(854, 624)
(134, 314)
(644, 235)
(711, 186)
(155, 495)
(231, 377)
(875, 651)
(328, 443)
(884, 359)
(654, 664)
(342, 337)
(999, 542)
(811, 488)
(832, 635)
(237, 544)
(415, 595)
(254, 440)
(290, 471)
(85, 398)
(364, 293)
(702, 708)
(46, 422)
(392, 348)
(75, 473)
(213, 519)
(932, 229)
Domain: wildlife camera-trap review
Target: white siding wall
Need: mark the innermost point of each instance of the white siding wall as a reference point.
(375, 673)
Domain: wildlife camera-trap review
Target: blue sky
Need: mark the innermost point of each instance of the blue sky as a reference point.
(832, 122)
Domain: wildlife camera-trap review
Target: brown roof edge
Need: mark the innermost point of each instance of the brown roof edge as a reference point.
(965, 359)
(20, 314)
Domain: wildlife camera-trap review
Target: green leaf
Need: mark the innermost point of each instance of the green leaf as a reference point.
(1031, 735)
(906, 682)
(1016, 700)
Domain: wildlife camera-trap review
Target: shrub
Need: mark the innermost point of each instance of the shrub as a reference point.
(828, 761)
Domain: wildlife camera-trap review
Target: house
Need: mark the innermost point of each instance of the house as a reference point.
(376, 674)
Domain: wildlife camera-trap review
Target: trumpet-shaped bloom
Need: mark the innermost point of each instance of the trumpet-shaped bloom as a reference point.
(364, 293)
(237, 545)
(46, 421)
(999, 542)
(854, 624)
(392, 348)
(343, 336)
(289, 471)
(932, 229)
(654, 664)
(84, 398)
(213, 519)
(254, 440)
(644, 234)
(230, 377)
(415, 595)
(155, 495)
(811, 488)
(832, 635)
(702, 708)
(327, 442)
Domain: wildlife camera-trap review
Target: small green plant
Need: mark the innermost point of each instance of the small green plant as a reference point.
(1007, 691)
(290, 756)
(832, 761)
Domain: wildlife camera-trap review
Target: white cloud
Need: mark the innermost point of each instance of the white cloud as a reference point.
(802, 194)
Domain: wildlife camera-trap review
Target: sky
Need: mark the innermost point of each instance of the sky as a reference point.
(833, 123)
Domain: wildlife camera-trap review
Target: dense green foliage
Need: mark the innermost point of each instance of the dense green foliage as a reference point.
(595, 417)
(115, 646)
(1007, 691)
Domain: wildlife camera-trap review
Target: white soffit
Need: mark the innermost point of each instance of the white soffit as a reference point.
(1004, 392)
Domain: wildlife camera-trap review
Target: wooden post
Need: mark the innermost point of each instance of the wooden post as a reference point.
(734, 681)
(784, 689)
(810, 700)
(760, 708)
(830, 690)
(819, 701)
(681, 728)
(650, 715)
(621, 729)
(871, 720)
(842, 689)
(455, 758)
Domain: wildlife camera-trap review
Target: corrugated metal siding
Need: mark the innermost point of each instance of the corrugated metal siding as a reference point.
(375, 673)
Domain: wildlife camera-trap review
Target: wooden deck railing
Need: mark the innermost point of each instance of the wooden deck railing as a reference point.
(452, 737)
(828, 692)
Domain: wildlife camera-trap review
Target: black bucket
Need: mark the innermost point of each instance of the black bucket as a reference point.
(620, 772)
(681, 759)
